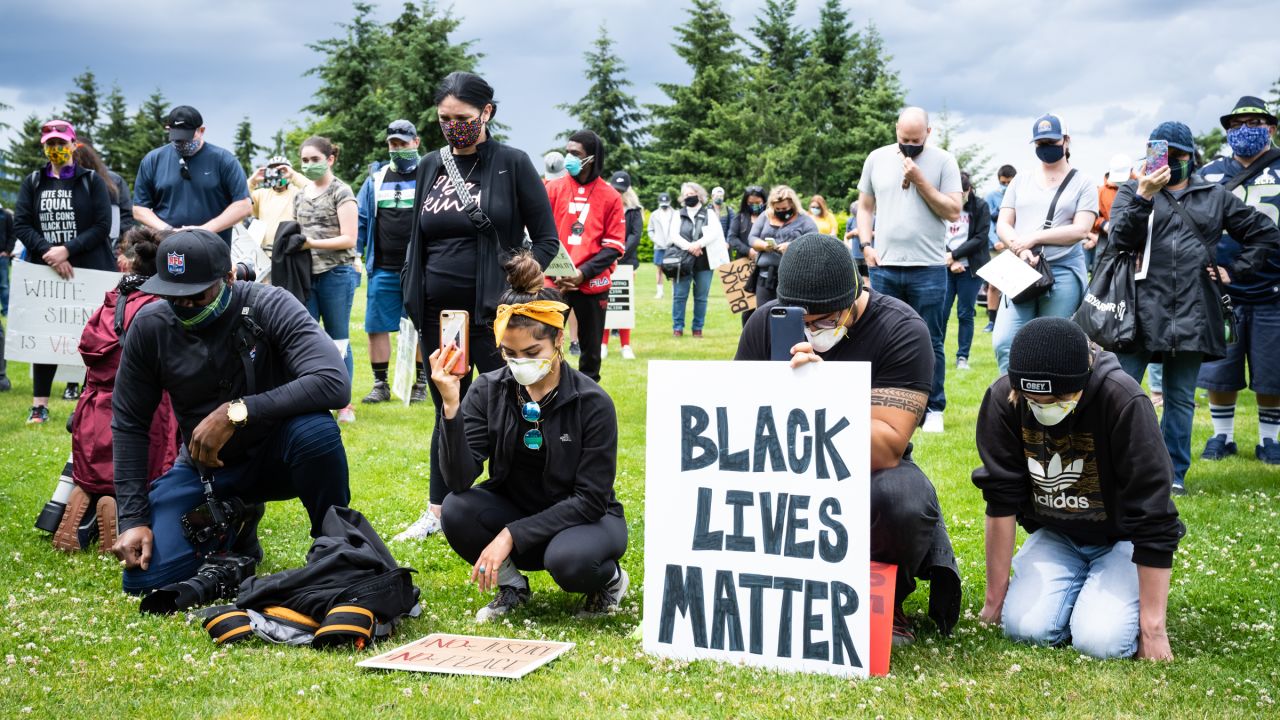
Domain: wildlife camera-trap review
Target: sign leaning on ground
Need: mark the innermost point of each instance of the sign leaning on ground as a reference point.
(470, 655)
(757, 513)
(47, 314)
(621, 313)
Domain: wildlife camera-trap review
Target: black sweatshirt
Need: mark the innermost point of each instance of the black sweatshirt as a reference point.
(580, 431)
(90, 248)
(1100, 476)
(297, 370)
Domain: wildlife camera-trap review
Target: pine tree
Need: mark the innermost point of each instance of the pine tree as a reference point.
(423, 56)
(1210, 143)
(25, 153)
(146, 133)
(277, 143)
(83, 106)
(607, 108)
(245, 147)
(973, 159)
(114, 137)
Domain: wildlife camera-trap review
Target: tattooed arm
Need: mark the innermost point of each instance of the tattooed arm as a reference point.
(895, 413)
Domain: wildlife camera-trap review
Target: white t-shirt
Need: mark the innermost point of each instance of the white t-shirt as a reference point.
(907, 232)
(957, 234)
(1030, 201)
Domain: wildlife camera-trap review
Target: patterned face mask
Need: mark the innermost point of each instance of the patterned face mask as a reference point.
(59, 155)
(187, 148)
(462, 133)
(1248, 141)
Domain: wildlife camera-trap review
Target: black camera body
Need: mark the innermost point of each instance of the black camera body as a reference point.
(211, 524)
(218, 577)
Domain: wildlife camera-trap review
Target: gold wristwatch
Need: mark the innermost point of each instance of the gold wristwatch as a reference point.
(238, 413)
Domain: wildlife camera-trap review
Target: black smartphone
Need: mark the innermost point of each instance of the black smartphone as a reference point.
(786, 329)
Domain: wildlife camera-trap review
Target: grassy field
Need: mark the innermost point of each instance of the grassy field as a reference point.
(73, 643)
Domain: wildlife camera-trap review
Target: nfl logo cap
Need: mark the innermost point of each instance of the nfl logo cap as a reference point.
(187, 263)
(1047, 127)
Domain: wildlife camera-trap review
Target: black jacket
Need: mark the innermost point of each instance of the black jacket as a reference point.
(515, 199)
(739, 234)
(7, 238)
(91, 247)
(580, 428)
(635, 228)
(975, 248)
(290, 263)
(1178, 303)
(1102, 475)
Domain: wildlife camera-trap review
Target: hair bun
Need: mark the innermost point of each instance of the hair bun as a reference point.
(524, 274)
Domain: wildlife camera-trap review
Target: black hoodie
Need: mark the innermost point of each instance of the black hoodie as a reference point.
(1100, 476)
(90, 247)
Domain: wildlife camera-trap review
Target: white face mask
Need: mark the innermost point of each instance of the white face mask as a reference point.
(827, 338)
(528, 371)
(1049, 414)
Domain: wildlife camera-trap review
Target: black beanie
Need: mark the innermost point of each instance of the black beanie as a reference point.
(817, 274)
(1049, 356)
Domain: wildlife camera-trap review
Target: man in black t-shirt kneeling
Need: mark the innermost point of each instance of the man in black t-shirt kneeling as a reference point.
(845, 323)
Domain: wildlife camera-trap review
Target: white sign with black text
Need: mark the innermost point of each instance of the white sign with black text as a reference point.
(621, 313)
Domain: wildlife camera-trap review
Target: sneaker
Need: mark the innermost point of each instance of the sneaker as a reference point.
(962, 364)
(509, 598)
(418, 393)
(604, 351)
(658, 295)
(380, 393)
(38, 415)
(426, 524)
(5, 384)
(933, 421)
(1268, 452)
(697, 333)
(79, 525)
(347, 415)
(608, 599)
(628, 353)
(991, 326)
(106, 524)
(575, 349)
(902, 632)
(1218, 447)
(1179, 487)
(72, 392)
(677, 333)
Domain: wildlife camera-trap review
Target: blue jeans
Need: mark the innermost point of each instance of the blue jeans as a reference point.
(965, 286)
(925, 290)
(1179, 382)
(1061, 301)
(332, 293)
(1063, 589)
(4, 286)
(701, 282)
(304, 458)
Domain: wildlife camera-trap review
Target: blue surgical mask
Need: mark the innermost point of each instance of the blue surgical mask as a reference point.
(197, 318)
(573, 164)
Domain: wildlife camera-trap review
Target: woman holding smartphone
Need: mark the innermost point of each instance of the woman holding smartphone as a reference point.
(453, 264)
(773, 231)
(550, 437)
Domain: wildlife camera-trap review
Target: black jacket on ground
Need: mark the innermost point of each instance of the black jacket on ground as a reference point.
(580, 431)
(975, 248)
(297, 370)
(290, 263)
(91, 247)
(1100, 476)
(1178, 303)
(635, 228)
(514, 198)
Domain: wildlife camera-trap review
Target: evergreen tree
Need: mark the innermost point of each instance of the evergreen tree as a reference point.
(973, 159)
(146, 133)
(607, 108)
(277, 143)
(245, 147)
(114, 137)
(25, 152)
(83, 106)
(423, 55)
(1210, 143)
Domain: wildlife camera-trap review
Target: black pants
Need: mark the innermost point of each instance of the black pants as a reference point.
(589, 309)
(484, 357)
(907, 530)
(581, 559)
(42, 379)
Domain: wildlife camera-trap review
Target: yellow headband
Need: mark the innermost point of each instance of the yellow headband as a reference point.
(548, 312)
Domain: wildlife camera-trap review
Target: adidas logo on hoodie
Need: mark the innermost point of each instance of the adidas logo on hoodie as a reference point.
(1054, 478)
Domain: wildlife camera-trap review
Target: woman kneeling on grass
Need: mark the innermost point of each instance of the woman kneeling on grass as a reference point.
(550, 435)
(1071, 449)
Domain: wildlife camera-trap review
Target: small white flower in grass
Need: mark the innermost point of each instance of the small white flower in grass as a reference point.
(476, 701)
(1015, 668)
(408, 692)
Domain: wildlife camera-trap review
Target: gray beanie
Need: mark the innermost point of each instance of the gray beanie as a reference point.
(817, 274)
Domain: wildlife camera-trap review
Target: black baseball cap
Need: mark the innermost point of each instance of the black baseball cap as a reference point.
(187, 263)
(621, 181)
(182, 123)
(402, 130)
(664, 199)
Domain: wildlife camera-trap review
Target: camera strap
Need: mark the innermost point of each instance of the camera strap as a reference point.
(246, 332)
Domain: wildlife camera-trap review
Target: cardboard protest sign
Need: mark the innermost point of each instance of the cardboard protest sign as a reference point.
(47, 314)
(621, 313)
(735, 276)
(470, 655)
(561, 265)
(406, 361)
(757, 515)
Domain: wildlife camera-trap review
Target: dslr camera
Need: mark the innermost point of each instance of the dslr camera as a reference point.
(246, 271)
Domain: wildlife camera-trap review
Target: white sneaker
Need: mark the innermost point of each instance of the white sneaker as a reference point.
(604, 351)
(628, 353)
(426, 524)
(933, 421)
(962, 364)
(658, 295)
(347, 415)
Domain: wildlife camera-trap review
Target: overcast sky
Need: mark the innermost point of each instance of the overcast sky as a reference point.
(1112, 70)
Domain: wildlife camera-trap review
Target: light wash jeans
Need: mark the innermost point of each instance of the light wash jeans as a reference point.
(1061, 301)
(701, 282)
(332, 293)
(1064, 590)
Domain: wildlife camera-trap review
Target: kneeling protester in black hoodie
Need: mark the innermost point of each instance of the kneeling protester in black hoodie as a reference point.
(1072, 450)
(550, 434)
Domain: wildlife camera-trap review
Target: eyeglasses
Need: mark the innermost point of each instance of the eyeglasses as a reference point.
(1246, 122)
(55, 127)
(182, 166)
(830, 323)
(532, 412)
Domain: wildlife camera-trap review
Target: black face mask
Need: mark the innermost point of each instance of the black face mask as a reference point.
(1050, 154)
(784, 215)
(691, 201)
(910, 151)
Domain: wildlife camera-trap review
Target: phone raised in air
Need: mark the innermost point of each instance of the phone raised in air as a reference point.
(1157, 156)
(455, 331)
(786, 329)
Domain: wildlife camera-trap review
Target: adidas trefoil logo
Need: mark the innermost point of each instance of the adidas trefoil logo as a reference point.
(1055, 478)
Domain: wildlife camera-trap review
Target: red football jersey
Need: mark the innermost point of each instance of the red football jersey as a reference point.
(599, 208)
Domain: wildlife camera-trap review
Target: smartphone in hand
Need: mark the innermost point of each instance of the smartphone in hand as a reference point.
(455, 332)
(1157, 156)
(786, 329)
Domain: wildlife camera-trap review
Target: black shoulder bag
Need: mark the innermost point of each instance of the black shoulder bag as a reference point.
(1228, 310)
(1045, 283)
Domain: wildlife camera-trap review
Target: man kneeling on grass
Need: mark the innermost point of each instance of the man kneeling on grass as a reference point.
(1071, 449)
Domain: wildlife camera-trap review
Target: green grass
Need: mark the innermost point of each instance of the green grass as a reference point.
(73, 643)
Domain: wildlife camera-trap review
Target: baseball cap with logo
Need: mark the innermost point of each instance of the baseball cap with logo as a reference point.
(621, 181)
(402, 130)
(664, 199)
(57, 129)
(187, 263)
(182, 123)
(1047, 127)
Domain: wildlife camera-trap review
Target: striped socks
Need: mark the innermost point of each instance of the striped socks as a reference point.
(1268, 423)
(1224, 420)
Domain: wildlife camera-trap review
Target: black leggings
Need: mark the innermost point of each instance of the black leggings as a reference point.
(42, 379)
(581, 559)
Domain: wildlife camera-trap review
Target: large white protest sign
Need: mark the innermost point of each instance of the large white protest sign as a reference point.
(757, 514)
(47, 314)
(621, 312)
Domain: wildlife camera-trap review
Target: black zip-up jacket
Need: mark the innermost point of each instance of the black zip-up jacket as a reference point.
(297, 370)
(7, 239)
(975, 248)
(1100, 476)
(580, 431)
(635, 228)
(514, 198)
(1178, 303)
(91, 247)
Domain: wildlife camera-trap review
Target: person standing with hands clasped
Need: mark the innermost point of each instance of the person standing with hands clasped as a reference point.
(1070, 450)
(696, 232)
(550, 436)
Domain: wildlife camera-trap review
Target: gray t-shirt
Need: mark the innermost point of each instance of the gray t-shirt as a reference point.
(907, 232)
(1030, 202)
